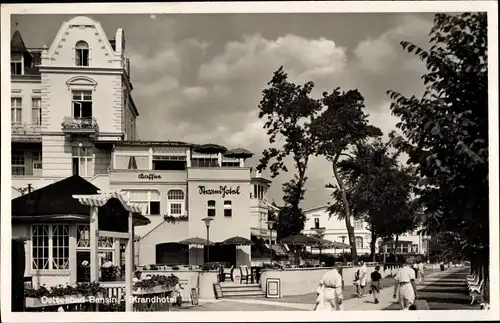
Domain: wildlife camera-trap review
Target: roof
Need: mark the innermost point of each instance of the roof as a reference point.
(57, 199)
(152, 143)
(317, 208)
(17, 44)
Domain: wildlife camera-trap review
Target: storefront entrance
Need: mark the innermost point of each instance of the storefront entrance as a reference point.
(221, 253)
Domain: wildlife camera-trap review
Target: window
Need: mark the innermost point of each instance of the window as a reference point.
(149, 199)
(16, 110)
(16, 66)
(50, 246)
(316, 223)
(405, 248)
(358, 224)
(36, 111)
(105, 245)
(230, 164)
(17, 160)
(37, 162)
(228, 208)
(175, 202)
(82, 161)
(359, 242)
(258, 191)
(211, 208)
(82, 53)
(82, 104)
(169, 162)
(414, 248)
(205, 162)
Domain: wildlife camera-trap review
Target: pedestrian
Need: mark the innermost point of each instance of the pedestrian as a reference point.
(405, 285)
(415, 269)
(363, 275)
(331, 287)
(375, 285)
(421, 268)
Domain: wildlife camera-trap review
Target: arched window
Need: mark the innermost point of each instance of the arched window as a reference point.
(359, 242)
(211, 211)
(228, 208)
(82, 53)
(175, 202)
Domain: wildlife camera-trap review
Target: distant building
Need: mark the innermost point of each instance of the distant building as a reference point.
(317, 218)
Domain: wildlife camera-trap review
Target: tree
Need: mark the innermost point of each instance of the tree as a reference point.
(445, 132)
(379, 189)
(341, 125)
(289, 109)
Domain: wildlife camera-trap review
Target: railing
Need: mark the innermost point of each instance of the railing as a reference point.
(25, 129)
(87, 123)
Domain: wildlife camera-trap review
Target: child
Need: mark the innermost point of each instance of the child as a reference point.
(357, 283)
(375, 286)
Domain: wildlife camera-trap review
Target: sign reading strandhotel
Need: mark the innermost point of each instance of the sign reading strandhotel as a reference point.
(222, 190)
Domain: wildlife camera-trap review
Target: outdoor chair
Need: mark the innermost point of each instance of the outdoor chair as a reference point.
(474, 282)
(244, 275)
(475, 286)
(228, 273)
(477, 293)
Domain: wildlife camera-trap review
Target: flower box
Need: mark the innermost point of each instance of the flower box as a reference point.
(44, 301)
(154, 290)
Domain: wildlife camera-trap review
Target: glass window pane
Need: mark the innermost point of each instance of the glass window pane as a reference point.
(90, 167)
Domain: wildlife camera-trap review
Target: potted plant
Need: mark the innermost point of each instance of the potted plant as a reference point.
(109, 272)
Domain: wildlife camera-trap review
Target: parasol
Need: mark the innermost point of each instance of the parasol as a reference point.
(237, 241)
(299, 240)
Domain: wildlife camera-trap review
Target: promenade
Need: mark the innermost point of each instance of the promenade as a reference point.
(442, 291)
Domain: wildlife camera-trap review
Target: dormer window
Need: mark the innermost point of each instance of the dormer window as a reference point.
(16, 64)
(82, 53)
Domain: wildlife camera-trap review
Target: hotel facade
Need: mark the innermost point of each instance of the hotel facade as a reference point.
(73, 113)
(318, 219)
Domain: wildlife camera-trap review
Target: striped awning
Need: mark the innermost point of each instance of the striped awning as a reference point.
(103, 198)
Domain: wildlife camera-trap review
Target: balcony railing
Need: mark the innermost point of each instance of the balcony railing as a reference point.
(87, 123)
(25, 129)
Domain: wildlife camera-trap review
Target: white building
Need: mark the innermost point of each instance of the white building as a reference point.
(73, 113)
(335, 230)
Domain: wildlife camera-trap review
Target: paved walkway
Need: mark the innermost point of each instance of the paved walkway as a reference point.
(442, 290)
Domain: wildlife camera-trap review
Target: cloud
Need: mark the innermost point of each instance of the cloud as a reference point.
(190, 91)
(378, 54)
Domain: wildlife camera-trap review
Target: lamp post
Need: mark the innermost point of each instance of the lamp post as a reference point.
(207, 221)
(320, 232)
(270, 224)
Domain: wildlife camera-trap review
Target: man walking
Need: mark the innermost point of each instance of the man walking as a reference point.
(375, 286)
(331, 284)
(405, 285)
(421, 272)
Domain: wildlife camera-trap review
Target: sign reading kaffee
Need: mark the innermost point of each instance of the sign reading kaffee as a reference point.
(149, 176)
(222, 190)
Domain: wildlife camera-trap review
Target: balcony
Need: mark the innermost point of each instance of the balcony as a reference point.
(72, 126)
(26, 132)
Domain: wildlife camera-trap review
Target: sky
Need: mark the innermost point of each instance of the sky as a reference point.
(199, 77)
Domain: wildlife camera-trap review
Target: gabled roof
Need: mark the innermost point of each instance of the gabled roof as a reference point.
(57, 199)
(17, 43)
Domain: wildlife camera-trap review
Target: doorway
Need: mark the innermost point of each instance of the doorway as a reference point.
(221, 253)
(82, 272)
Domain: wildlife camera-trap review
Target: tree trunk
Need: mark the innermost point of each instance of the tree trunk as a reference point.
(373, 244)
(396, 248)
(350, 229)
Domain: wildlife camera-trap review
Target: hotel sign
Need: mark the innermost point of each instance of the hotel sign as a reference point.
(222, 190)
(149, 176)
